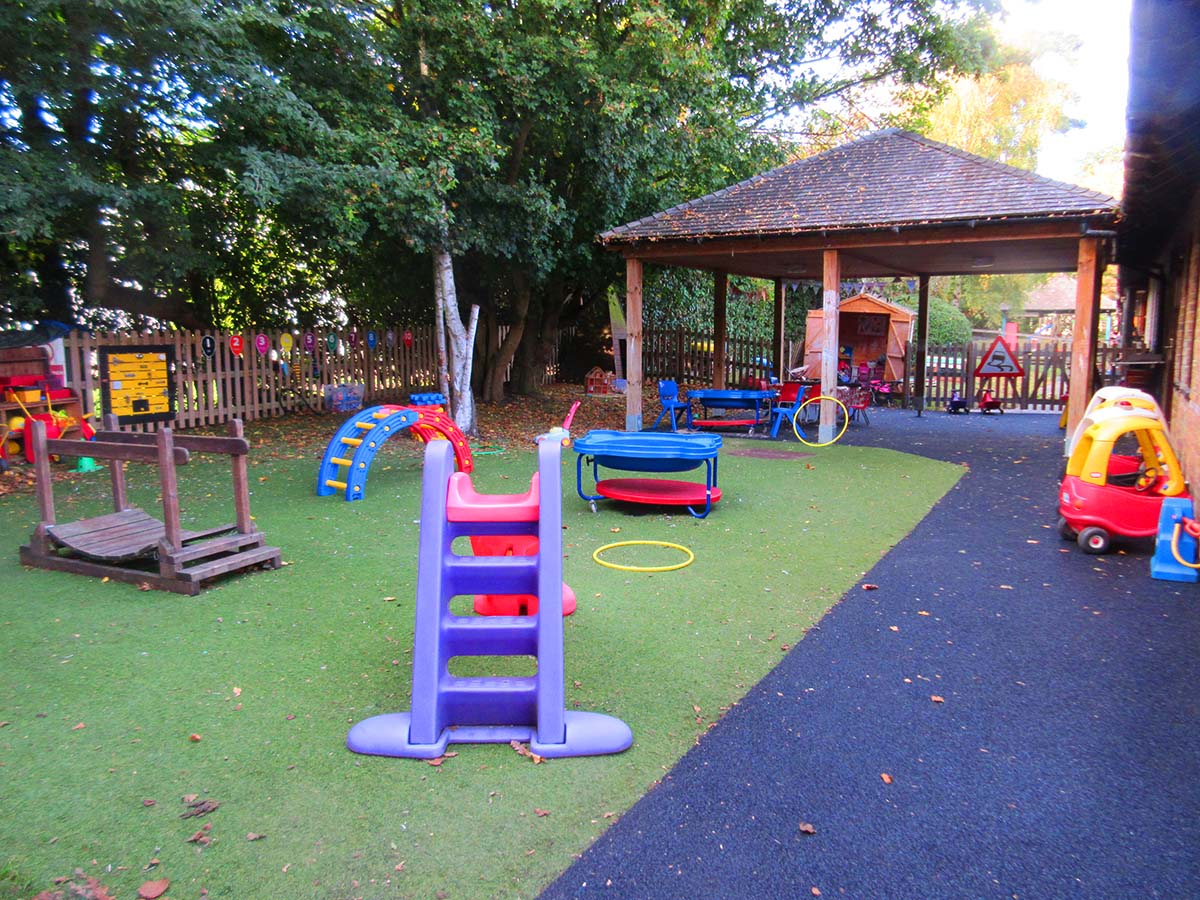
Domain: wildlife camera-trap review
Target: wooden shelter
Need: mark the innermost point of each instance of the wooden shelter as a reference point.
(1159, 243)
(890, 204)
(870, 330)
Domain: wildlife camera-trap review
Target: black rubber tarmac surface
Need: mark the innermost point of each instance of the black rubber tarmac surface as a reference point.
(1063, 759)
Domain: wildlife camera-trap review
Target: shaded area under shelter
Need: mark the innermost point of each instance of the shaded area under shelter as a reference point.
(890, 204)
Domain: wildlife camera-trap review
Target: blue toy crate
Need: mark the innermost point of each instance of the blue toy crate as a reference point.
(344, 397)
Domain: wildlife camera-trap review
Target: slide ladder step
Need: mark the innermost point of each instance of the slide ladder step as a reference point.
(448, 708)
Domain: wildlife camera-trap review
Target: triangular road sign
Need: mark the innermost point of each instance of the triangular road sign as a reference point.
(999, 360)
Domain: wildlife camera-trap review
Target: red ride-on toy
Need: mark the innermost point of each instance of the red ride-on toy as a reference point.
(1118, 473)
(988, 403)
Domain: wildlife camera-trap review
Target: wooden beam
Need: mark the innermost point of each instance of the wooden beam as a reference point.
(790, 243)
(922, 342)
(720, 302)
(832, 286)
(777, 360)
(1083, 341)
(633, 344)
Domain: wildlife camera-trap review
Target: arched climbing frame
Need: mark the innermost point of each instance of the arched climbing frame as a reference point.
(348, 457)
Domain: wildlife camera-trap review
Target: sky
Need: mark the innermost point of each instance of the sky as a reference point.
(1099, 75)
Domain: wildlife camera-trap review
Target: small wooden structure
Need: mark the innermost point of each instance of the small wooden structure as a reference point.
(129, 544)
(870, 330)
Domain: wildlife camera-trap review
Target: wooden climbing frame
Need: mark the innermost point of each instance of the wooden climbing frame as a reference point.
(125, 544)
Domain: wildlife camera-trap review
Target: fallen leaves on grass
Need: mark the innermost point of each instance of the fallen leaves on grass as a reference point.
(77, 727)
(438, 760)
(194, 738)
(152, 890)
(541, 813)
(199, 808)
(870, 587)
(525, 751)
(87, 888)
(254, 836)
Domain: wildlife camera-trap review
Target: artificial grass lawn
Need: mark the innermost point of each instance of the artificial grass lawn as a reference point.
(104, 684)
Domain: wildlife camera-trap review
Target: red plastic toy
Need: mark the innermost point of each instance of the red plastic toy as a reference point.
(1107, 494)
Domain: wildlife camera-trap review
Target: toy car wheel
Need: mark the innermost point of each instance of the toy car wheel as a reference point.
(1066, 531)
(1094, 540)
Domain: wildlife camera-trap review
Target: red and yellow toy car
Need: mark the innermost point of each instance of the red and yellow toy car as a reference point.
(1121, 467)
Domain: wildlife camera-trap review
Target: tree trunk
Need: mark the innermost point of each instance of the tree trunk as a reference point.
(457, 342)
(494, 385)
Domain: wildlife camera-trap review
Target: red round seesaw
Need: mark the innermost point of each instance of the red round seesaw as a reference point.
(650, 451)
(661, 491)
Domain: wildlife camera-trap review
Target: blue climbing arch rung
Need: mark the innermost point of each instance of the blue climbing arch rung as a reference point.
(348, 456)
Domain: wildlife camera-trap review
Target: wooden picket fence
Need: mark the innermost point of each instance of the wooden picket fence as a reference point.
(1046, 365)
(687, 356)
(211, 387)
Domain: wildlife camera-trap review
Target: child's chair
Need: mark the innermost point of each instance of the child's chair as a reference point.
(668, 396)
(791, 396)
(860, 399)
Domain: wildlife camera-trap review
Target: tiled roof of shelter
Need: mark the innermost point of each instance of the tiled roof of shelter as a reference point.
(889, 178)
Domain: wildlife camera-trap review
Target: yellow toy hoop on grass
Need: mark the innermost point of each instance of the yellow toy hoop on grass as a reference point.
(834, 439)
(687, 562)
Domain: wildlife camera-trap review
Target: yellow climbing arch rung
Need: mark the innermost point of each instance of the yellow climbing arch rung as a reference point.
(352, 442)
(340, 485)
(340, 460)
(365, 426)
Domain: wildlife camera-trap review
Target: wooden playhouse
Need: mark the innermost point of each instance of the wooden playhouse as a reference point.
(870, 330)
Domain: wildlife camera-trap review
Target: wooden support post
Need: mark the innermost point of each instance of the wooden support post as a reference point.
(778, 360)
(720, 299)
(922, 343)
(633, 344)
(1083, 341)
(36, 431)
(241, 483)
(172, 532)
(116, 468)
(832, 285)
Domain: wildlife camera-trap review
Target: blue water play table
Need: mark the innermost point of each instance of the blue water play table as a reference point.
(648, 451)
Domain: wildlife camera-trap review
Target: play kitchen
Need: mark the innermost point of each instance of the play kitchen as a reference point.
(29, 393)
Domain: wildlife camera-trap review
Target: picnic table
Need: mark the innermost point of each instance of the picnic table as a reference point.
(712, 398)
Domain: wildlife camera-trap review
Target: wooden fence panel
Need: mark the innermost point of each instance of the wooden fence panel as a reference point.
(1046, 364)
(209, 390)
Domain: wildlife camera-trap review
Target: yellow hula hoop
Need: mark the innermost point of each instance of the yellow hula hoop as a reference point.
(687, 562)
(836, 437)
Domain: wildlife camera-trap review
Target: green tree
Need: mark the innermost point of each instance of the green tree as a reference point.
(1003, 114)
(947, 324)
(243, 162)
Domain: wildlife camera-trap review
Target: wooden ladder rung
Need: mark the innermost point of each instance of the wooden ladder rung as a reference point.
(234, 563)
(217, 545)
